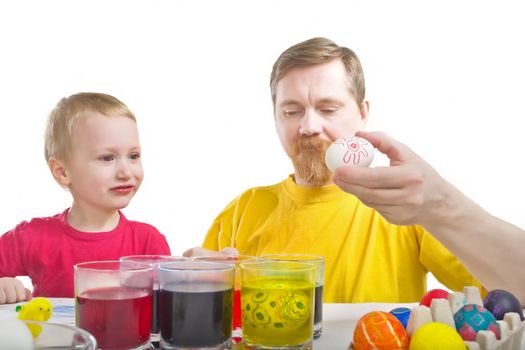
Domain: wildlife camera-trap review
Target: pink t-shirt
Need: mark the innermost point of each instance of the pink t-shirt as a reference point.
(46, 249)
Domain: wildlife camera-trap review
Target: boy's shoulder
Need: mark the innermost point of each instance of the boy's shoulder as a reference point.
(39, 222)
(38, 226)
(142, 226)
(138, 226)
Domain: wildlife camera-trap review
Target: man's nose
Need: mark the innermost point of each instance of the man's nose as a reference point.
(311, 124)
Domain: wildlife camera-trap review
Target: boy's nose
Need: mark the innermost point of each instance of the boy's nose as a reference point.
(311, 124)
(124, 171)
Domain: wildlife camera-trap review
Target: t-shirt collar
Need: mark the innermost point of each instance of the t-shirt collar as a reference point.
(313, 194)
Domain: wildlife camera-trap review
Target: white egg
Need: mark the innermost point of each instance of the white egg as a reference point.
(349, 151)
(14, 334)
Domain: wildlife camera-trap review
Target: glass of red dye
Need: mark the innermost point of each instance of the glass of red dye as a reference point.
(113, 301)
(234, 260)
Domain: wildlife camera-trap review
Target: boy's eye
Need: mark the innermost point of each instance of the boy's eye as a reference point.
(106, 158)
(134, 156)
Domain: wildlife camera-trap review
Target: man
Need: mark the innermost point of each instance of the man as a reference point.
(318, 93)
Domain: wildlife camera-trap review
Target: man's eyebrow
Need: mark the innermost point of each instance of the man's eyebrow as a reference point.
(289, 102)
(331, 100)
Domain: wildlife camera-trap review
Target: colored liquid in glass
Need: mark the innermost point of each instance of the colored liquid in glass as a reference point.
(155, 329)
(318, 311)
(197, 314)
(277, 312)
(119, 318)
(237, 320)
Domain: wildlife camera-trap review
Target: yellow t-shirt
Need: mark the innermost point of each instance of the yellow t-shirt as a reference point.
(367, 259)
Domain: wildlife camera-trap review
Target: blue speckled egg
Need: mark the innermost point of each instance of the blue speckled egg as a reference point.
(499, 302)
(402, 314)
(471, 319)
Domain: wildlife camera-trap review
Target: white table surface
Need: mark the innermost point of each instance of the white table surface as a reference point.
(339, 320)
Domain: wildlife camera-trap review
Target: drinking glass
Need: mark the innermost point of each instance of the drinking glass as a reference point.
(235, 260)
(114, 302)
(196, 299)
(318, 261)
(154, 260)
(277, 304)
(62, 336)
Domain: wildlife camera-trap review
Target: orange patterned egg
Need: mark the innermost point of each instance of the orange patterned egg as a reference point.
(380, 330)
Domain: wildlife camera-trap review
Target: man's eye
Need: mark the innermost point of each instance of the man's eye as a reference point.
(291, 113)
(106, 158)
(134, 156)
(330, 110)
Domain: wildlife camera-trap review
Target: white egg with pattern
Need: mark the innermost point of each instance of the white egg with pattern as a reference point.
(349, 151)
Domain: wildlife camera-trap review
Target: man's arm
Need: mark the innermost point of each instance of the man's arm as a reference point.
(411, 192)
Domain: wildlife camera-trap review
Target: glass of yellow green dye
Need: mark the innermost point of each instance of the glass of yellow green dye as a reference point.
(277, 300)
(318, 261)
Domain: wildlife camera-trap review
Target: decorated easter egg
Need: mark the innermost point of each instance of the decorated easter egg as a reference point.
(499, 302)
(472, 318)
(433, 294)
(402, 314)
(14, 334)
(280, 310)
(350, 151)
(379, 330)
(436, 336)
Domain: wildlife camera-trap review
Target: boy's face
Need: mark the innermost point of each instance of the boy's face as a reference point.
(105, 169)
(313, 108)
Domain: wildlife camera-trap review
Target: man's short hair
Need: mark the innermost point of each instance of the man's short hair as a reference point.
(317, 51)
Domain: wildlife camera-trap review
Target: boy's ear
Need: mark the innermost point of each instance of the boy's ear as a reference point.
(364, 110)
(59, 172)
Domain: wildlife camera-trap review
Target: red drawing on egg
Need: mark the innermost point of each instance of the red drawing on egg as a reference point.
(355, 150)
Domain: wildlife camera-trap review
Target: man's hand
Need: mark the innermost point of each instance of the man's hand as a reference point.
(199, 251)
(13, 291)
(408, 192)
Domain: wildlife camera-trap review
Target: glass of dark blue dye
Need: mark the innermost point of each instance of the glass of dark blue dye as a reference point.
(154, 260)
(195, 305)
(318, 261)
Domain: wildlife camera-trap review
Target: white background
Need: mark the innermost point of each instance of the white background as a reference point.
(444, 77)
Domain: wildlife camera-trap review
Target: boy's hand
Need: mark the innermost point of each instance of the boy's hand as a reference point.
(199, 251)
(13, 291)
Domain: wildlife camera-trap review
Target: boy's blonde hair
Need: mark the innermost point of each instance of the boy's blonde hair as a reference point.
(317, 51)
(71, 109)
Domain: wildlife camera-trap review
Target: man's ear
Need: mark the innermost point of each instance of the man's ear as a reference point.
(59, 172)
(363, 110)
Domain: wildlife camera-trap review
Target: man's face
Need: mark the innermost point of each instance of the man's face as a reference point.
(313, 108)
(105, 170)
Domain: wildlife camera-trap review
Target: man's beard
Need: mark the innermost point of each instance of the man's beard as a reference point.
(308, 155)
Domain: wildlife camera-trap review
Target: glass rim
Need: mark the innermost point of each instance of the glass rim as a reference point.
(290, 265)
(152, 258)
(293, 257)
(192, 265)
(85, 334)
(105, 266)
(226, 258)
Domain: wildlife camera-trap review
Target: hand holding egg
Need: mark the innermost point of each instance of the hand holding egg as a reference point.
(349, 151)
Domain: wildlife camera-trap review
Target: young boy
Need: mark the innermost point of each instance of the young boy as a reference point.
(92, 149)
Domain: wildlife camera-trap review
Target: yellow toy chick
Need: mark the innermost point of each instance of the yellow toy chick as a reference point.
(38, 309)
